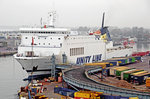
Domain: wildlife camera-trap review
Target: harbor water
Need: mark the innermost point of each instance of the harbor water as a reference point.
(12, 74)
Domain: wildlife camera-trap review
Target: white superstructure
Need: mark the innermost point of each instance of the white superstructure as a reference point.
(39, 44)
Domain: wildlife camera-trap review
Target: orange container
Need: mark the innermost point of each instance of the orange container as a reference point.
(148, 82)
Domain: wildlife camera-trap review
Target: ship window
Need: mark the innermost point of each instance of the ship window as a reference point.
(58, 38)
(48, 43)
(38, 38)
(76, 51)
(50, 38)
(45, 37)
(39, 43)
(26, 37)
(43, 43)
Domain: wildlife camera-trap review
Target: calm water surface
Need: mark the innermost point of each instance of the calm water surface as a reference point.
(11, 75)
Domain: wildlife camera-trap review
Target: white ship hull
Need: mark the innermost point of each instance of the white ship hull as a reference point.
(44, 63)
(119, 53)
(41, 62)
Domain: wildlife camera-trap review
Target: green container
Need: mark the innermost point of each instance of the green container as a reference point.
(130, 70)
(126, 76)
(126, 61)
(132, 59)
(118, 72)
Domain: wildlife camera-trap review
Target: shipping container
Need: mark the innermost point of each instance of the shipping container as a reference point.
(122, 73)
(131, 59)
(121, 60)
(137, 73)
(148, 82)
(112, 63)
(64, 91)
(104, 64)
(140, 78)
(113, 97)
(138, 58)
(112, 70)
(134, 74)
(128, 59)
(133, 98)
(119, 70)
(127, 75)
(87, 95)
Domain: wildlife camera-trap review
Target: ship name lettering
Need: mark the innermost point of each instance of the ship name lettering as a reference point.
(88, 59)
(81, 60)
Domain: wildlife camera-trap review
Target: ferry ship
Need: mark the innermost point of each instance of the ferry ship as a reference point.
(39, 44)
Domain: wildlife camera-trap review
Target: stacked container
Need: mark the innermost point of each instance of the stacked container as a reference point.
(113, 69)
(118, 71)
(141, 78)
(103, 64)
(148, 82)
(135, 74)
(87, 95)
(122, 73)
(127, 74)
(121, 60)
(112, 62)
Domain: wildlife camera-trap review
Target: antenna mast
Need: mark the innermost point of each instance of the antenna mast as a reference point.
(41, 21)
(103, 20)
(51, 19)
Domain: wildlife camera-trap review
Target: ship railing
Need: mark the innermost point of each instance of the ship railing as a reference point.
(54, 46)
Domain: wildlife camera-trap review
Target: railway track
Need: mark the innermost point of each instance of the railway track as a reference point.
(79, 78)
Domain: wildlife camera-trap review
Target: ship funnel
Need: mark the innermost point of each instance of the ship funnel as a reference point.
(104, 29)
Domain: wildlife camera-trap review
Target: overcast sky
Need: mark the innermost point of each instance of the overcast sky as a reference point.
(72, 13)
